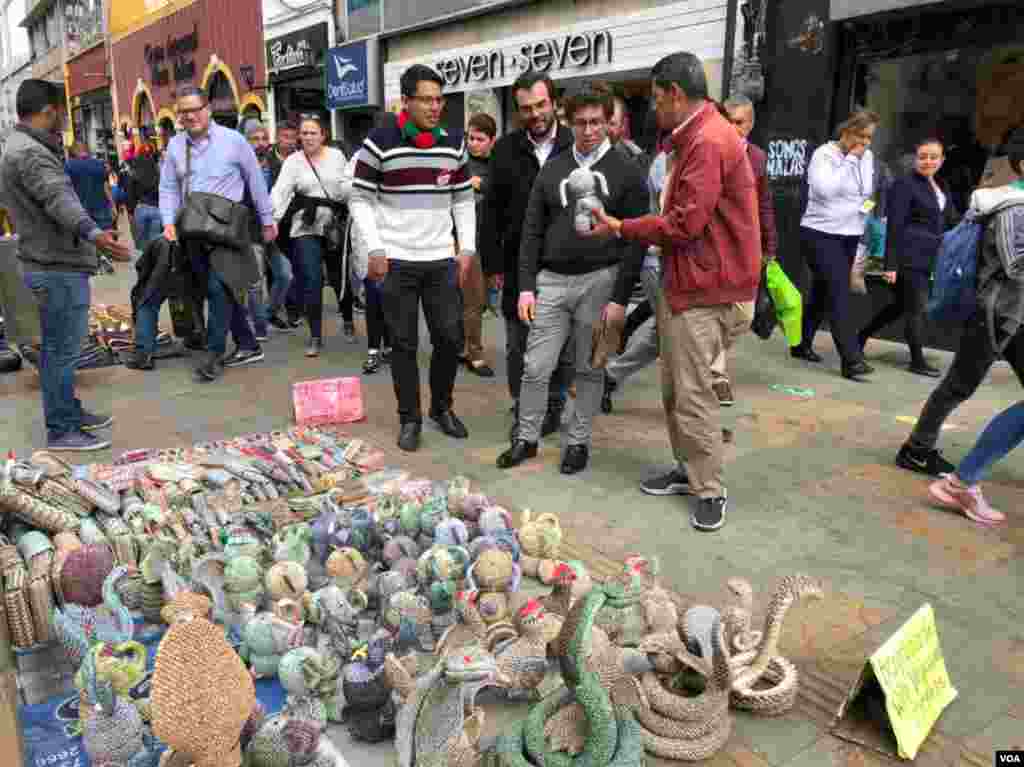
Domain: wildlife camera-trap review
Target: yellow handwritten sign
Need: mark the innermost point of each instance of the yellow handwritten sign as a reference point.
(912, 673)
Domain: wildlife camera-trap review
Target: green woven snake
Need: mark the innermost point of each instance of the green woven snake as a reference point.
(613, 736)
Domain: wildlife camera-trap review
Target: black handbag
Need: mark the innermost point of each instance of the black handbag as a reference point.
(765, 317)
(335, 232)
(211, 218)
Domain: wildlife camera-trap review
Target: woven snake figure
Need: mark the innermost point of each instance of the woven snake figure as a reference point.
(600, 698)
(674, 725)
(757, 660)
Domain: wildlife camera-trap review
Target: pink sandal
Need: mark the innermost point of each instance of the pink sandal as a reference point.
(952, 494)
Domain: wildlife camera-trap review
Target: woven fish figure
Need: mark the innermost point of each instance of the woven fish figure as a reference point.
(78, 627)
(113, 735)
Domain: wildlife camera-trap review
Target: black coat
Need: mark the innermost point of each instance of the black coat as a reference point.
(916, 223)
(514, 168)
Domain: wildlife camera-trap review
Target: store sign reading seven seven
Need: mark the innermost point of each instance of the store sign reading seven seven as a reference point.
(576, 50)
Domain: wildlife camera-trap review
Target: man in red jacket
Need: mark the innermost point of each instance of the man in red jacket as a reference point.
(739, 110)
(709, 234)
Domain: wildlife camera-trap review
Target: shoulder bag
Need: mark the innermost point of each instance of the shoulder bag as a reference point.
(335, 231)
(210, 217)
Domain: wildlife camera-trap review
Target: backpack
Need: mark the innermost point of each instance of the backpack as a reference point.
(954, 296)
(146, 174)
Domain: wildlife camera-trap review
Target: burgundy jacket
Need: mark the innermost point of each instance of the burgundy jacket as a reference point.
(766, 208)
(710, 235)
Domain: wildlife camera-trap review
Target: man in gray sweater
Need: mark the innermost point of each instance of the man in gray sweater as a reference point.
(57, 247)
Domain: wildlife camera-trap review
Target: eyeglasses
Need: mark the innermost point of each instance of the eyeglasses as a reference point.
(190, 112)
(430, 101)
(595, 123)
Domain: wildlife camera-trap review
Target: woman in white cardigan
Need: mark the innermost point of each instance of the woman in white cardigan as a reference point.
(317, 174)
(841, 190)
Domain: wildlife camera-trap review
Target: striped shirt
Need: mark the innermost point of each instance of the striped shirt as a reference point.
(404, 199)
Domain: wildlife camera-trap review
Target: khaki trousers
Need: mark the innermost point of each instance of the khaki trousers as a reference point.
(474, 297)
(690, 342)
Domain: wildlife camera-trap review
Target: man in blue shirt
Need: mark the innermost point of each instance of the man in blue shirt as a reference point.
(222, 163)
(89, 178)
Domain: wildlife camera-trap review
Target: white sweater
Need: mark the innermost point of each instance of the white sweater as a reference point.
(838, 185)
(297, 177)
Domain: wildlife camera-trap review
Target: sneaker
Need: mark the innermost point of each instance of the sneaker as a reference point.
(314, 347)
(94, 421)
(350, 332)
(295, 322)
(261, 337)
(724, 393)
(280, 325)
(244, 357)
(372, 364)
(924, 461)
(710, 513)
(951, 493)
(385, 355)
(77, 442)
(674, 483)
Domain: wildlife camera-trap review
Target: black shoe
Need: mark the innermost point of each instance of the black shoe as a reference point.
(924, 461)
(140, 362)
(552, 421)
(515, 455)
(295, 322)
(195, 343)
(314, 347)
(856, 370)
(409, 437)
(96, 421)
(710, 513)
(244, 357)
(211, 369)
(479, 368)
(450, 424)
(575, 459)
(805, 353)
(606, 399)
(674, 483)
(280, 325)
(924, 369)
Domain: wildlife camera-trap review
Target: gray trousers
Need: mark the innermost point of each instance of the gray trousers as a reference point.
(568, 307)
(642, 347)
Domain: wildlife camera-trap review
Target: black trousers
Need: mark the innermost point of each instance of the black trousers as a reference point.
(516, 332)
(971, 364)
(377, 334)
(911, 292)
(830, 258)
(432, 283)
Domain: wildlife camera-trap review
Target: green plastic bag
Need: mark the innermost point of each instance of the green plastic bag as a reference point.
(789, 304)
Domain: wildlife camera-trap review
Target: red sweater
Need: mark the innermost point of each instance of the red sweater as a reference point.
(710, 233)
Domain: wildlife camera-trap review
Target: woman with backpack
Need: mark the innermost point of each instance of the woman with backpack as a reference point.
(919, 211)
(994, 329)
(143, 196)
(841, 187)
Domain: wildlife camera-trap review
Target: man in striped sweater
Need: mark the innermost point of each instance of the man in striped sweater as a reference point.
(411, 181)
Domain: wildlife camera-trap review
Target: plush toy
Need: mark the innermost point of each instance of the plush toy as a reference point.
(581, 188)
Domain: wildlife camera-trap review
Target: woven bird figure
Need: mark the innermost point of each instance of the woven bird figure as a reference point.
(114, 734)
(78, 627)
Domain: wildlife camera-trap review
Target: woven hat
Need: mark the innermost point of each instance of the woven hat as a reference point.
(202, 694)
(85, 569)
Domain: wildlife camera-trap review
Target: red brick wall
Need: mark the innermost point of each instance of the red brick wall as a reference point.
(88, 72)
(231, 30)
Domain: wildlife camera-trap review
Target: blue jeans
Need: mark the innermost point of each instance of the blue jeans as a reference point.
(280, 267)
(63, 299)
(309, 262)
(1003, 434)
(224, 312)
(147, 318)
(146, 225)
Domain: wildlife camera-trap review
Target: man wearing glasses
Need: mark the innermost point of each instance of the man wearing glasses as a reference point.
(210, 158)
(411, 181)
(568, 283)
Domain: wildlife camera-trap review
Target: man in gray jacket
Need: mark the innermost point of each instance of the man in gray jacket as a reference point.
(57, 247)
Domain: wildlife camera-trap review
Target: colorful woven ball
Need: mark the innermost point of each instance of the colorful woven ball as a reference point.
(286, 579)
(85, 569)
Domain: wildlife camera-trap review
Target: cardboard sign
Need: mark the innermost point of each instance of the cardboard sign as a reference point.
(330, 400)
(901, 692)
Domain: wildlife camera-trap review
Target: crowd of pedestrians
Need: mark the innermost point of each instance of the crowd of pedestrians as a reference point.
(568, 217)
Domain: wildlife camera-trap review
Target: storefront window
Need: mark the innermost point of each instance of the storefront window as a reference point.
(363, 18)
(941, 94)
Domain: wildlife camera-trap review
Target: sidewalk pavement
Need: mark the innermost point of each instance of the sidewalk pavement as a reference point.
(812, 489)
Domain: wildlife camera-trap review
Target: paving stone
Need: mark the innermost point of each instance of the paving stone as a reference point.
(775, 739)
(1004, 733)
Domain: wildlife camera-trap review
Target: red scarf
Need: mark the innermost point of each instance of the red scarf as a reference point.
(421, 139)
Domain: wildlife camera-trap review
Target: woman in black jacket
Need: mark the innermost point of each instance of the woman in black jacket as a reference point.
(919, 211)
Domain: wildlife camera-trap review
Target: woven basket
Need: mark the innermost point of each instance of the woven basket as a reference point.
(64, 544)
(60, 492)
(83, 573)
(37, 550)
(16, 601)
(92, 533)
(121, 539)
(34, 511)
(202, 694)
